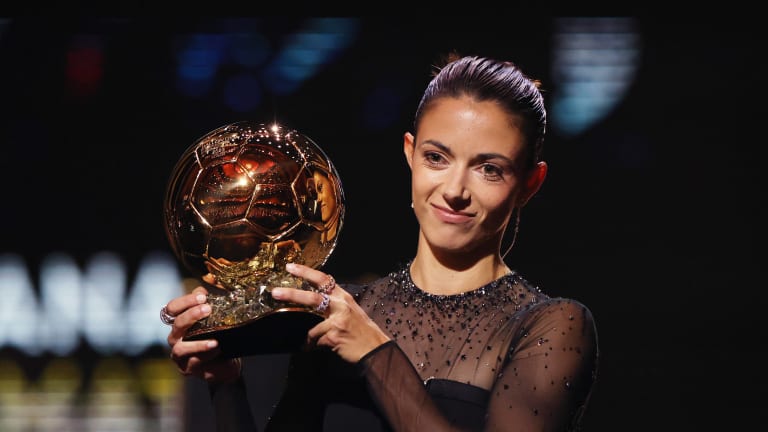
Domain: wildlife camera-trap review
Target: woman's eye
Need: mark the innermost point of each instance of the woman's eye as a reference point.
(433, 158)
(492, 172)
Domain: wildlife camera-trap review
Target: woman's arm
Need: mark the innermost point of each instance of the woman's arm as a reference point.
(398, 391)
(546, 382)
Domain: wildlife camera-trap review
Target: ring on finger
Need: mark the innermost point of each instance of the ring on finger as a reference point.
(324, 303)
(166, 317)
(328, 286)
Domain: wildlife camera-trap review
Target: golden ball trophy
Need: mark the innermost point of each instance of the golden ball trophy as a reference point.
(241, 202)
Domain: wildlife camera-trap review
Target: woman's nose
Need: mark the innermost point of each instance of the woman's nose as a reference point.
(455, 188)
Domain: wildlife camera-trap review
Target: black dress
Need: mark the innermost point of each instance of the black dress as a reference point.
(504, 356)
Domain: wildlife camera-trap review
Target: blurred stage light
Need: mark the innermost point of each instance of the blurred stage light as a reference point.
(60, 291)
(594, 63)
(19, 308)
(85, 65)
(92, 304)
(245, 63)
(199, 59)
(84, 352)
(307, 51)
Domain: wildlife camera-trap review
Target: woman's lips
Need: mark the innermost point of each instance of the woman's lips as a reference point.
(450, 216)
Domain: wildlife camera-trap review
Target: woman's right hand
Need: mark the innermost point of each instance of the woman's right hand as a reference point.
(198, 358)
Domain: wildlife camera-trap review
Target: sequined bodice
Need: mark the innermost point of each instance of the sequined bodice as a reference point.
(464, 337)
(503, 356)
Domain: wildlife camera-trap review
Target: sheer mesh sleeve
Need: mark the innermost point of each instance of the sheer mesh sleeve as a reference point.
(546, 382)
(543, 384)
(503, 357)
(399, 392)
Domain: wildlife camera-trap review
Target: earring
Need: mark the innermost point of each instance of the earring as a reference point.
(411, 204)
(514, 233)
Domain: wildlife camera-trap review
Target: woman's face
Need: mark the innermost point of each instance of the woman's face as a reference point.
(325, 196)
(467, 167)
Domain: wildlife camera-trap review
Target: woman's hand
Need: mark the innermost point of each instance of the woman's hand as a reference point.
(347, 329)
(197, 358)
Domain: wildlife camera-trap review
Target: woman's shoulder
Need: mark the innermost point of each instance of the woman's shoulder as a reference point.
(539, 300)
(571, 308)
(359, 286)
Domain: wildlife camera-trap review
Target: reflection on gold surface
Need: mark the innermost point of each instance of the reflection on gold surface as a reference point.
(248, 285)
(242, 201)
(326, 195)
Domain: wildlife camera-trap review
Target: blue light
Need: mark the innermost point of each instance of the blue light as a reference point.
(198, 63)
(594, 62)
(205, 60)
(307, 51)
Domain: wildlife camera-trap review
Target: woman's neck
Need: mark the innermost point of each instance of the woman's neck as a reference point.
(329, 233)
(437, 276)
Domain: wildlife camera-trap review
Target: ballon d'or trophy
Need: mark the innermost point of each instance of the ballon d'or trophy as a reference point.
(241, 202)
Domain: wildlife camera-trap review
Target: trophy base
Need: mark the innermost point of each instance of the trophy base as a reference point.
(280, 331)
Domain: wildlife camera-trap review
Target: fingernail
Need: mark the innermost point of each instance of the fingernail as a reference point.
(200, 298)
(290, 266)
(212, 343)
(277, 293)
(206, 309)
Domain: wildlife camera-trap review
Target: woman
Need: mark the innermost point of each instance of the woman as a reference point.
(328, 203)
(455, 339)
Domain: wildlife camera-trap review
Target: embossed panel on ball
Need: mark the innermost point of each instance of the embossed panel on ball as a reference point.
(242, 201)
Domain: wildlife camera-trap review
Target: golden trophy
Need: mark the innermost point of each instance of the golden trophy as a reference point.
(242, 201)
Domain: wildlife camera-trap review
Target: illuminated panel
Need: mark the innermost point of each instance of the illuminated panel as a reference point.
(19, 309)
(56, 392)
(157, 281)
(89, 303)
(126, 385)
(594, 62)
(104, 285)
(14, 403)
(60, 298)
(306, 51)
(234, 59)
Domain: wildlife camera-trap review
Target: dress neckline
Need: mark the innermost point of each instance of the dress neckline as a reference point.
(402, 278)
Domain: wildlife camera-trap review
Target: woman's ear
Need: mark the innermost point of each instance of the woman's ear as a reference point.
(533, 182)
(408, 147)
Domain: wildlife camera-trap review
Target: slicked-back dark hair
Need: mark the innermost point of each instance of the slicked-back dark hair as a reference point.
(487, 79)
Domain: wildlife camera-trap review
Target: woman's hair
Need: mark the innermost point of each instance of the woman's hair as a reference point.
(486, 79)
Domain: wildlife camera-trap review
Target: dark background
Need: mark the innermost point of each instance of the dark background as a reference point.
(653, 217)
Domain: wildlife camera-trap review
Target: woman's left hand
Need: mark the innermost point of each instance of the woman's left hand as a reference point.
(347, 329)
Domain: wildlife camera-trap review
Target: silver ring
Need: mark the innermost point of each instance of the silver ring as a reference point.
(165, 317)
(328, 286)
(324, 304)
